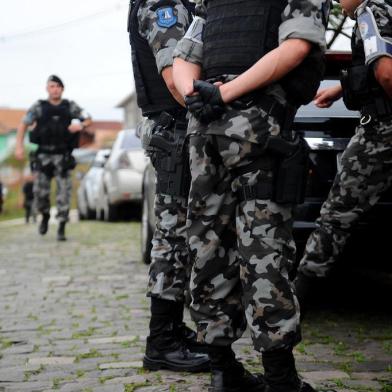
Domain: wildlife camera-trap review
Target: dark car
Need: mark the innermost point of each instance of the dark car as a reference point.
(327, 132)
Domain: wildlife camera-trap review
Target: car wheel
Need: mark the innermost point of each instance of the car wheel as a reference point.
(146, 233)
(91, 214)
(110, 211)
(99, 214)
(81, 216)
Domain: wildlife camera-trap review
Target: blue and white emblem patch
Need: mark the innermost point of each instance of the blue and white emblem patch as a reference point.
(166, 17)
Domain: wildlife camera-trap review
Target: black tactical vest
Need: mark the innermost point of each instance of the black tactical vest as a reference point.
(152, 93)
(239, 32)
(362, 84)
(52, 127)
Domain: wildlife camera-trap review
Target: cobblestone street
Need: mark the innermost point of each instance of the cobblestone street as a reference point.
(73, 317)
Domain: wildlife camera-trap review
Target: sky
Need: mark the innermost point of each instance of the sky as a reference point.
(84, 42)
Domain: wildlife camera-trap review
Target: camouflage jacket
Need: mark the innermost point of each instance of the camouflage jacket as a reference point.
(162, 40)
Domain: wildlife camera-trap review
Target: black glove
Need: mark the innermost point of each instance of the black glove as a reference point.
(208, 105)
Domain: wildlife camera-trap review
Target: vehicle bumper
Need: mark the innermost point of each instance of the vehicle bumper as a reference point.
(126, 187)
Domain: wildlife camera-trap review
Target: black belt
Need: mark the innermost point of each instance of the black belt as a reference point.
(379, 109)
(169, 120)
(284, 114)
(52, 150)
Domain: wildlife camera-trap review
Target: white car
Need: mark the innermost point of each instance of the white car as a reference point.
(87, 193)
(121, 183)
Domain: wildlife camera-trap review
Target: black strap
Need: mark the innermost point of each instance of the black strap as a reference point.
(53, 150)
(284, 114)
(265, 163)
(258, 191)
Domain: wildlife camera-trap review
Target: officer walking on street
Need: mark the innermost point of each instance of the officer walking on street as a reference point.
(260, 60)
(366, 164)
(56, 135)
(155, 27)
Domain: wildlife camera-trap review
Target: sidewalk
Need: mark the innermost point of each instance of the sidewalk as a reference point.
(73, 317)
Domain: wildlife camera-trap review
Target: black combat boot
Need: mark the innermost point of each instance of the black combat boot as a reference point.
(164, 349)
(43, 227)
(228, 375)
(61, 232)
(281, 375)
(184, 333)
(280, 372)
(304, 285)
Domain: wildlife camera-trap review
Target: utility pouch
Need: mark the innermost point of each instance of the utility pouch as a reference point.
(291, 176)
(34, 136)
(168, 153)
(355, 86)
(68, 163)
(34, 161)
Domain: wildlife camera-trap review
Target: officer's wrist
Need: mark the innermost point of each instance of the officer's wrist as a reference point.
(226, 93)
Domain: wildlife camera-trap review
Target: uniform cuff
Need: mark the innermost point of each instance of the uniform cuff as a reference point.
(27, 120)
(309, 31)
(164, 58)
(189, 51)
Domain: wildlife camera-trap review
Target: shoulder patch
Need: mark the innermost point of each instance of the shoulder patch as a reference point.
(166, 17)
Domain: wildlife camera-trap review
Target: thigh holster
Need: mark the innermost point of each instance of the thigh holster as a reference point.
(287, 166)
(170, 158)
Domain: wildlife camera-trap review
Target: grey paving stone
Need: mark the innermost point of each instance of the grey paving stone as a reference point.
(51, 361)
(121, 365)
(323, 376)
(84, 302)
(115, 339)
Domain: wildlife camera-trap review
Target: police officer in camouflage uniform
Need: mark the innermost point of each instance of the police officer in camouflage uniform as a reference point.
(155, 27)
(366, 170)
(261, 60)
(56, 137)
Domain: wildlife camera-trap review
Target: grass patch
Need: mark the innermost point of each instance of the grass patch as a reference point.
(387, 346)
(358, 356)
(132, 387)
(103, 379)
(29, 373)
(129, 343)
(301, 348)
(386, 388)
(5, 343)
(91, 354)
(120, 297)
(13, 204)
(56, 383)
(84, 334)
(346, 367)
(340, 348)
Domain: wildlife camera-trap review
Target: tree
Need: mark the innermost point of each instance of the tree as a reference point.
(339, 25)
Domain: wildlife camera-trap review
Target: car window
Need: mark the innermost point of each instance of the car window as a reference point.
(337, 110)
(130, 141)
(98, 164)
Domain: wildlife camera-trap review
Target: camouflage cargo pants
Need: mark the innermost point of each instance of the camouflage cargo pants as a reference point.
(51, 166)
(366, 172)
(169, 270)
(241, 251)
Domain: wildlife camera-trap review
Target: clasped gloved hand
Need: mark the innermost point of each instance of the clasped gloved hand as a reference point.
(207, 105)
